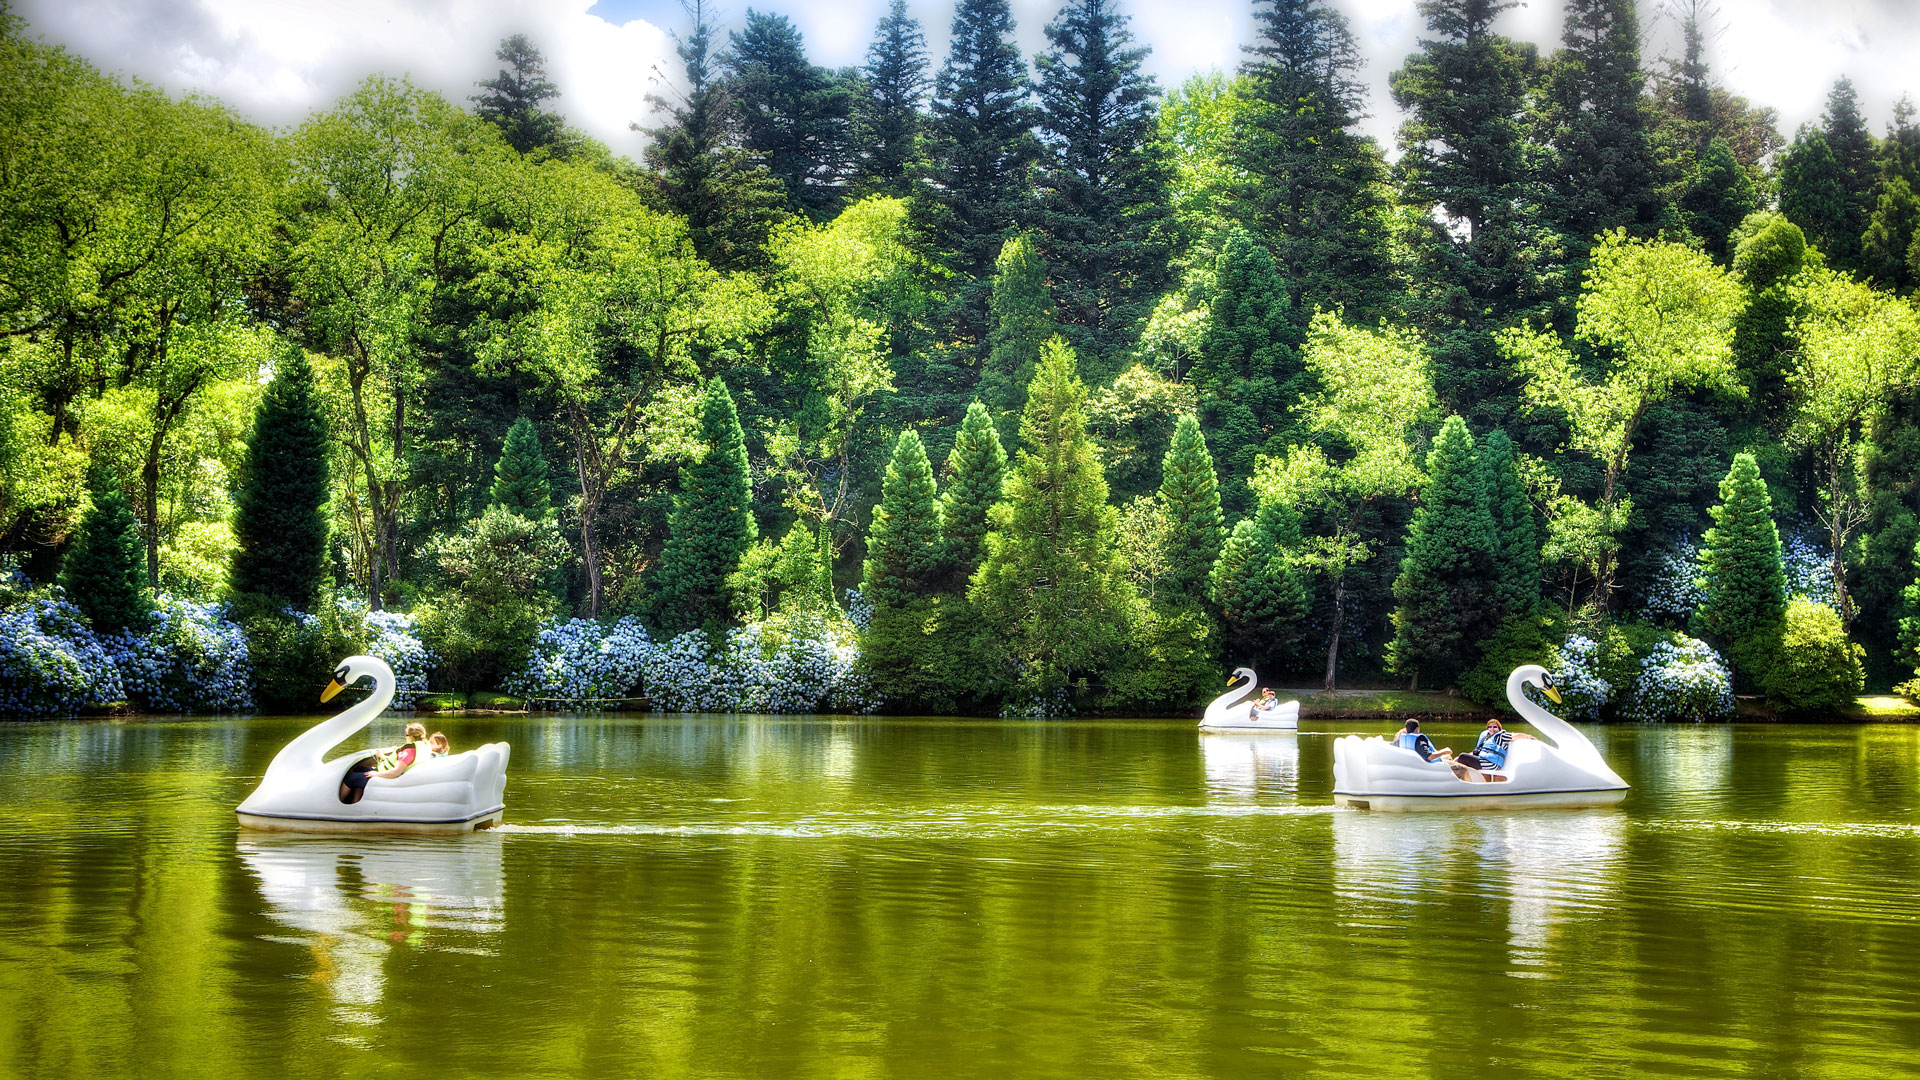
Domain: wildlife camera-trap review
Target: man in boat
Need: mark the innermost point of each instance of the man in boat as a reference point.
(1489, 753)
(386, 764)
(1412, 738)
(1267, 702)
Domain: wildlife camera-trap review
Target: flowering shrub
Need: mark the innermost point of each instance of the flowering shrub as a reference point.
(1809, 571)
(799, 664)
(1041, 705)
(50, 662)
(191, 660)
(581, 664)
(1681, 679)
(1584, 692)
(859, 610)
(1676, 587)
(682, 677)
(394, 636)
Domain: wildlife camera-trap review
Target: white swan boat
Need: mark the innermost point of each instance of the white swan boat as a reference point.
(301, 790)
(1232, 712)
(1567, 771)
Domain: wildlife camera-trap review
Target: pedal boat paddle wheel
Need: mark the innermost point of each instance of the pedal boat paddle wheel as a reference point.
(1563, 769)
(1232, 711)
(301, 790)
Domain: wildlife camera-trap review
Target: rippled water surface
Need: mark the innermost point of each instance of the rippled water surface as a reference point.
(780, 897)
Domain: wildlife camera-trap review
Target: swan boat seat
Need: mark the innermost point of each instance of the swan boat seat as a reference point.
(1232, 711)
(1561, 769)
(301, 789)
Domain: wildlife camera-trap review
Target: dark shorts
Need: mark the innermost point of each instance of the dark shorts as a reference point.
(358, 775)
(1475, 761)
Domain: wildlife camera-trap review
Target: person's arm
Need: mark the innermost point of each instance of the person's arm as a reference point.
(405, 757)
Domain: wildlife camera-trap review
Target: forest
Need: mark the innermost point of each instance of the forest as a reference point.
(1019, 386)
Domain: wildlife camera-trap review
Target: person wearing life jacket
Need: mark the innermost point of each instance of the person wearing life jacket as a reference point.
(1489, 753)
(1412, 738)
(385, 764)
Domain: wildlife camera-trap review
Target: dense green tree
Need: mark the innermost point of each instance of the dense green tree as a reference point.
(1769, 252)
(1448, 588)
(887, 113)
(904, 547)
(1103, 217)
(1052, 585)
(1249, 370)
(521, 483)
(514, 98)
(279, 520)
(1853, 152)
(1890, 236)
(1516, 551)
(712, 523)
(730, 204)
(1813, 195)
(1599, 169)
(500, 568)
(1718, 198)
(1190, 490)
(976, 470)
(1312, 186)
(795, 118)
(102, 571)
(1744, 588)
(1022, 322)
(981, 150)
(1259, 588)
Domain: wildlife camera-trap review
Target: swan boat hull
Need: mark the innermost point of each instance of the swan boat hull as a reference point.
(486, 819)
(1477, 801)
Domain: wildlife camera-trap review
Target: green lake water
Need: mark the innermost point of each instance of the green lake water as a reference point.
(825, 897)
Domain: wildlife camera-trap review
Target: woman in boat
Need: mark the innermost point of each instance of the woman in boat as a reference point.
(1490, 752)
(386, 765)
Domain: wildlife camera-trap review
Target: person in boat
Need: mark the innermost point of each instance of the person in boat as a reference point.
(1267, 701)
(1489, 752)
(386, 765)
(1412, 738)
(437, 742)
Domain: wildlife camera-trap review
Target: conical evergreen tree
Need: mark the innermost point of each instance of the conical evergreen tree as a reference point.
(1813, 195)
(904, 549)
(976, 470)
(1448, 586)
(1516, 552)
(1191, 492)
(1599, 170)
(1889, 236)
(1052, 584)
(1853, 152)
(1104, 212)
(1744, 584)
(520, 481)
(279, 519)
(795, 118)
(1022, 323)
(711, 525)
(887, 115)
(1258, 589)
(1719, 197)
(981, 150)
(1249, 371)
(514, 97)
(104, 570)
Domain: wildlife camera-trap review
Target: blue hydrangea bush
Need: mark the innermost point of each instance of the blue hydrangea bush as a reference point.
(580, 664)
(1584, 692)
(51, 664)
(1676, 586)
(191, 659)
(394, 636)
(1683, 679)
(1809, 571)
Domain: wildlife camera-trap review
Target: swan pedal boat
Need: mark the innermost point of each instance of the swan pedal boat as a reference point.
(1376, 774)
(1230, 712)
(301, 790)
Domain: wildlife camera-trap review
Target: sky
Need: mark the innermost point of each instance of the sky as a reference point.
(277, 61)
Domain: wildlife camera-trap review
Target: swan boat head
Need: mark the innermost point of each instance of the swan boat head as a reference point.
(302, 789)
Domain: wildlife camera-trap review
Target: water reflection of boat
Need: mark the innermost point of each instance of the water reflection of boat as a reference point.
(351, 903)
(1267, 764)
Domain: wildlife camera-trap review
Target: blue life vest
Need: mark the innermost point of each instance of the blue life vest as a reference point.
(1412, 740)
(1492, 747)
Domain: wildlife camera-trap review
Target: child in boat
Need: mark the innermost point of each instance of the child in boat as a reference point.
(437, 743)
(1412, 738)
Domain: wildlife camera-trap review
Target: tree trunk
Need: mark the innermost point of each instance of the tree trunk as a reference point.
(1339, 617)
(589, 512)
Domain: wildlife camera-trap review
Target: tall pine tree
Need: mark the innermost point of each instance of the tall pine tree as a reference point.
(1104, 215)
(701, 173)
(1744, 584)
(514, 97)
(1249, 371)
(104, 570)
(1853, 152)
(887, 113)
(904, 548)
(1052, 585)
(1314, 187)
(279, 518)
(1190, 491)
(1813, 195)
(976, 470)
(1259, 590)
(1021, 323)
(711, 525)
(521, 483)
(1448, 588)
(1599, 169)
(1718, 198)
(1516, 552)
(795, 118)
(1889, 237)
